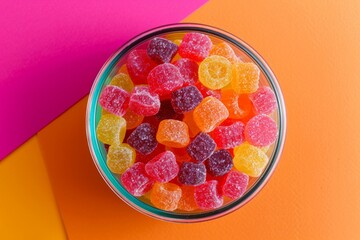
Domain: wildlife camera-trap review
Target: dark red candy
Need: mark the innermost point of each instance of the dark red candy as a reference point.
(136, 181)
(219, 163)
(145, 158)
(234, 184)
(189, 70)
(143, 138)
(161, 50)
(185, 99)
(229, 136)
(114, 100)
(143, 102)
(192, 173)
(195, 46)
(201, 147)
(139, 64)
(167, 112)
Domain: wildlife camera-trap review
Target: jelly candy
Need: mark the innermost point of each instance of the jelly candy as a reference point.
(239, 106)
(173, 133)
(143, 102)
(261, 131)
(245, 77)
(250, 159)
(192, 173)
(201, 147)
(161, 50)
(145, 158)
(136, 181)
(219, 163)
(223, 49)
(123, 69)
(143, 139)
(165, 196)
(187, 201)
(195, 46)
(123, 81)
(163, 167)
(229, 136)
(264, 100)
(111, 129)
(188, 70)
(234, 184)
(185, 99)
(181, 154)
(167, 112)
(189, 120)
(177, 41)
(164, 79)
(215, 72)
(115, 100)
(120, 158)
(139, 65)
(209, 114)
(207, 196)
(208, 92)
(132, 119)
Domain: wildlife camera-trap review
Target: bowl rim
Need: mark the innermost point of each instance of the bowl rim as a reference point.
(97, 152)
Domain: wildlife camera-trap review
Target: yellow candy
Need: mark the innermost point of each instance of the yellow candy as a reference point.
(215, 72)
(111, 129)
(120, 158)
(223, 49)
(245, 78)
(265, 149)
(123, 81)
(177, 41)
(250, 160)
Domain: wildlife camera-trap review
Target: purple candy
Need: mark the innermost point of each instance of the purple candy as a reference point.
(186, 99)
(192, 173)
(167, 112)
(161, 50)
(201, 147)
(143, 138)
(219, 163)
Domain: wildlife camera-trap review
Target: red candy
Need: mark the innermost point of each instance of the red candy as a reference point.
(139, 65)
(188, 70)
(136, 181)
(161, 50)
(114, 100)
(207, 196)
(143, 102)
(234, 184)
(229, 136)
(264, 100)
(195, 46)
(261, 131)
(163, 167)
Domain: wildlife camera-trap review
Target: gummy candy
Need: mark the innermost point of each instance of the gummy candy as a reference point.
(164, 79)
(215, 72)
(223, 49)
(165, 196)
(234, 184)
(219, 163)
(136, 181)
(195, 46)
(201, 147)
(173, 133)
(143, 102)
(163, 167)
(188, 70)
(143, 139)
(209, 114)
(111, 129)
(245, 77)
(146, 158)
(120, 158)
(114, 100)
(185, 99)
(229, 136)
(261, 131)
(132, 119)
(187, 201)
(207, 196)
(123, 69)
(189, 120)
(264, 100)
(208, 92)
(177, 41)
(250, 159)
(123, 81)
(181, 154)
(167, 112)
(192, 173)
(239, 106)
(161, 50)
(139, 64)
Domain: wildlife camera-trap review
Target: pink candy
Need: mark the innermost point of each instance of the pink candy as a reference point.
(139, 65)
(136, 181)
(114, 100)
(229, 136)
(195, 46)
(163, 167)
(207, 196)
(143, 102)
(234, 184)
(261, 131)
(188, 70)
(264, 100)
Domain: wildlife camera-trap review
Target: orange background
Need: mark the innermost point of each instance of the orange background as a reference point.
(313, 48)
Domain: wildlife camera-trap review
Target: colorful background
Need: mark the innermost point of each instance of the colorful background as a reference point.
(50, 54)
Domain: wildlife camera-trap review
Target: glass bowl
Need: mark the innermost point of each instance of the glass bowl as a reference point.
(110, 68)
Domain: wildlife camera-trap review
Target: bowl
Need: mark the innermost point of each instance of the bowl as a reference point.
(98, 149)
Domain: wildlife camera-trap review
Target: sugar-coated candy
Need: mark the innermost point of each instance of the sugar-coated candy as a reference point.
(165, 196)
(185, 99)
(189, 120)
(239, 106)
(164, 79)
(181, 154)
(111, 129)
(161, 50)
(115, 100)
(209, 114)
(201, 147)
(207, 196)
(177, 41)
(245, 77)
(144, 102)
(265, 149)
(136, 181)
(187, 202)
(261, 131)
(219, 163)
(215, 72)
(192, 173)
(188, 70)
(139, 64)
(230, 136)
(208, 92)
(250, 159)
(173, 133)
(145, 158)
(123, 81)
(223, 49)
(264, 100)
(234, 184)
(143, 138)
(195, 46)
(163, 167)
(132, 119)
(167, 112)
(120, 158)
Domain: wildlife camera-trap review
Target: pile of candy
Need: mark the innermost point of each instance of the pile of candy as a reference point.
(187, 123)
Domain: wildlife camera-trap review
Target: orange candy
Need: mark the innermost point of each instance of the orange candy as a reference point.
(132, 119)
(189, 120)
(245, 77)
(187, 201)
(239, 106)
(223, 49)
(165, 196)
(123, 69)
(173, 133)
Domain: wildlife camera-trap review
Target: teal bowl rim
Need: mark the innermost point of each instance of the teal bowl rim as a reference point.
(98, 152)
